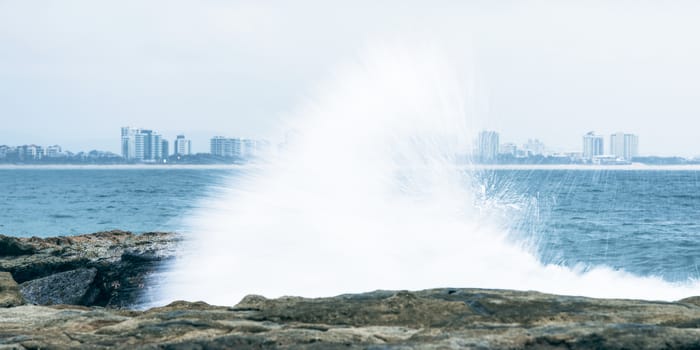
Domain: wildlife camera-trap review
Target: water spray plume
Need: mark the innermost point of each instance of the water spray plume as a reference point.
(369, 195)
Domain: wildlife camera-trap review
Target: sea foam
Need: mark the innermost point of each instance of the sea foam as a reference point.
(369, 195)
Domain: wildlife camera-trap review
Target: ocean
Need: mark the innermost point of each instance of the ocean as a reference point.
(51, 202)
(643, 222)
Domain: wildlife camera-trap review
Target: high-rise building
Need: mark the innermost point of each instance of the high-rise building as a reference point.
(487, 146)
(141, 144)
(623, 145)
(30, 152)
(128, 147)
(221, 146)
(249, 149)
(226, 147)
(535, 147)
(238, 148)
(592, 145)
(156, 146)
(53, 151)
(508, 148)
(152, 145)
(182, 146)
(4, 150)
(165, 148)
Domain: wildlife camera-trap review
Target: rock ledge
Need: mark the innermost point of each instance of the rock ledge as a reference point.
(429, 319)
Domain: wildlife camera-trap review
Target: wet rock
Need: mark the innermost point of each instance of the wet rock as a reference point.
(691, 300)
(122, 262)
(13, 247)
(70, 287)
(112, 269)
(429, 319)
(9, 291)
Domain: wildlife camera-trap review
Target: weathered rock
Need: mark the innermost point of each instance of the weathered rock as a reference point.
(112, 268)
(691, 300)
(9, 246)
(430, 319)
(70, 287)
(9, 291)
(123, 262)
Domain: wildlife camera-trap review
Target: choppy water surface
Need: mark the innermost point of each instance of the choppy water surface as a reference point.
(645, 222)
(49, 202)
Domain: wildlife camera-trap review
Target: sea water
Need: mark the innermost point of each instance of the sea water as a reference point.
(643, 222)
(51, 202)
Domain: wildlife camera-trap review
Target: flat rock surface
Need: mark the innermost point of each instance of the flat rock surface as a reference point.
(429, 319)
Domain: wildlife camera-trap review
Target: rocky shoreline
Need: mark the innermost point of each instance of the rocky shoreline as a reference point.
(107, 269)
(100, 274)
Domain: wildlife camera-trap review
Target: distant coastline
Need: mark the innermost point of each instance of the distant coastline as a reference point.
(626, 167)
(121, 166)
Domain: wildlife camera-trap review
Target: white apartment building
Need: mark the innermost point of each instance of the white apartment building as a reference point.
(592, 145)
(624, 146)
(239, 148)
(182, 146)
(141, 144)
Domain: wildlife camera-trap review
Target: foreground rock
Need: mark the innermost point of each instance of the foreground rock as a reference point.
(430, 319)
(105, 269)
(9, 291)
(70, 287)
(111, 269)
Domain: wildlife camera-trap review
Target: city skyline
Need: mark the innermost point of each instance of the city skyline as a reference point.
(623, 148)
(238, 68)
(622, 145)
(200, 142)
(147, 145)
(149, 138)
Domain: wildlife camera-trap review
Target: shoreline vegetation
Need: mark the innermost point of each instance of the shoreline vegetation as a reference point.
(625, 167)
(79, 292)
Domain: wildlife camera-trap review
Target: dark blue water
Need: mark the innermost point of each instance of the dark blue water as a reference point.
(645, 222)
(49, 202)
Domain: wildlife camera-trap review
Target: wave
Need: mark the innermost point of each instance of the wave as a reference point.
(368, 196)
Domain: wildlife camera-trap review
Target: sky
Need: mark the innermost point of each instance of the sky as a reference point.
(73, 72)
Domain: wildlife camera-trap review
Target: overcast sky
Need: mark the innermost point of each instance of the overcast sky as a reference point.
(73, 72)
